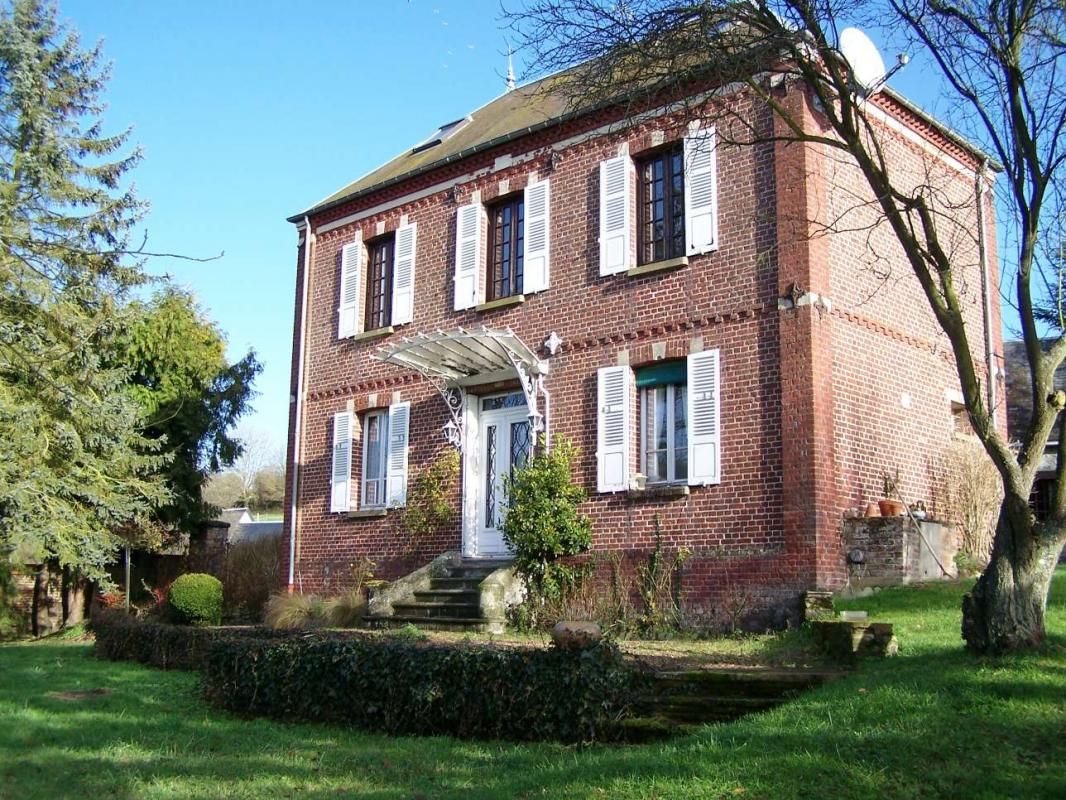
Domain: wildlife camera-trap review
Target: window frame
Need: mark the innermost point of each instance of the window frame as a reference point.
(382, 415)
(647, 394)
(377, 307)
(673, 240)
(515, 262)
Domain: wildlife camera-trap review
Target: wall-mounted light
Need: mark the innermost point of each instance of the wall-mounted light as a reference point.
(453, 434)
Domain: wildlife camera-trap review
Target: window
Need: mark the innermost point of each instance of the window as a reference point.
(674, 409)
(664, 422)
(379, 284)
(375, 459)
(661, 206)
(506, 246)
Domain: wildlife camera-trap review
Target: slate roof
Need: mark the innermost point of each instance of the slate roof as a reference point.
(518, 112)
(512, 114)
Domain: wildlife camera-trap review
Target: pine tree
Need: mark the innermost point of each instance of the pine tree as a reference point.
(76, 476)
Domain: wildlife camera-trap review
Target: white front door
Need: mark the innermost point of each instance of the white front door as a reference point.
(504, 446)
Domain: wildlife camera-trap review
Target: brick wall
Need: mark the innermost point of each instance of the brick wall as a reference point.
(807, 422)
(893, 550)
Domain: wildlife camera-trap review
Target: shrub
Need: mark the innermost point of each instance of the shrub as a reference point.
(196, 599)
(287, 612)
(252, 570)
(121, 637)
(399, 686)
(543, 523)
(970, 494)
(430, 507)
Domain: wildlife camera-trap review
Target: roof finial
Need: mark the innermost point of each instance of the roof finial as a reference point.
(510, 71)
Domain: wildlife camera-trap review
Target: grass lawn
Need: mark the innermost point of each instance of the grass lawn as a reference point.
(933, 722)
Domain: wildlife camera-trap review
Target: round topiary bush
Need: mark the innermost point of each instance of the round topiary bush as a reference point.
(196, 599)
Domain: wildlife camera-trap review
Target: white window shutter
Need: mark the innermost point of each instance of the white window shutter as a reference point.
(467, 255)
(341, 482)
(537, 242)
(704, 419)
(399, 425)
(351, 275)
(403, 275)
(615, 224)
(701, 193)
(613, 428)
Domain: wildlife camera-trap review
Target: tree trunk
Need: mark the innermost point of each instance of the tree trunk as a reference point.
(1005, 610)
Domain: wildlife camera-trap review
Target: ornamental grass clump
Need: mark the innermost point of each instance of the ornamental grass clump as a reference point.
(196, 599)
(286, 612)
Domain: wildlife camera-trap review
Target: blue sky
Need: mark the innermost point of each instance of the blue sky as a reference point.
(249, 112)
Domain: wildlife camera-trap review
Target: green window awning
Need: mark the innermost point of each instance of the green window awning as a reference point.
(661, 374)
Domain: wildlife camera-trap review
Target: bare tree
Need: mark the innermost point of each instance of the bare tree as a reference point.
(260, 461)
(999, 60)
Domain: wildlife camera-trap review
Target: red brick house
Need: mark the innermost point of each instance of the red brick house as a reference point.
(735, 374)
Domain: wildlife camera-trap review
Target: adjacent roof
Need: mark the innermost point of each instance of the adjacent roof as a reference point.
(1019, 388)
(235, 516)
(253, 531)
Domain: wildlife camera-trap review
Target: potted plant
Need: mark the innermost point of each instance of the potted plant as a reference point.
(889, 504)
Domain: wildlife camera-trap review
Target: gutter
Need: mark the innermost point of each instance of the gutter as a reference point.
(297, 443)
(986, 286)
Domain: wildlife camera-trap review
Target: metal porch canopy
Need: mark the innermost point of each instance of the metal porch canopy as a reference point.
(454, 360)
(462, 358)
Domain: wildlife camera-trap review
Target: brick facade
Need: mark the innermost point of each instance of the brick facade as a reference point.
(817, 398)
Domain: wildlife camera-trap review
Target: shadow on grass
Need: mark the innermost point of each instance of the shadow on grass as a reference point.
(929, 725)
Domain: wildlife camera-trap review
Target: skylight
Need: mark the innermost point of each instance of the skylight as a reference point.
(442, 133)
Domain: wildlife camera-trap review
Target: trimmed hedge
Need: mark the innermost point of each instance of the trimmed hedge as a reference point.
(120, 637)
(401, 687)
(196, 599)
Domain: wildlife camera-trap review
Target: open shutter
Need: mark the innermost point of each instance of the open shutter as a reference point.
(536, 243)
(399, 424)
(615, 227)
(704, 423)
(403, 275)
(613, 428)
(341, 496)
(467, 255)
(351, 270)
(701, 193)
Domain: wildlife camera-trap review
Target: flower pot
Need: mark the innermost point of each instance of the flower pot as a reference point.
(891, 508)
(872, 510)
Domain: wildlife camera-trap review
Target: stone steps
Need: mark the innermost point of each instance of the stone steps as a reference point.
(677, 702)
(452, 601)
(435, 608)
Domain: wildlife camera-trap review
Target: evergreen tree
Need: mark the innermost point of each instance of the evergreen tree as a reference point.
(190, 395)
(76, 473)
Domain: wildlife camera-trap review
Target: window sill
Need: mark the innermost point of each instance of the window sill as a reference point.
(658, 266)
(376, 333)
(368, 513)
(668, 491)
(502, 302)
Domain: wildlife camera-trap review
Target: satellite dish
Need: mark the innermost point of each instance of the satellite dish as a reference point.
(867, 66)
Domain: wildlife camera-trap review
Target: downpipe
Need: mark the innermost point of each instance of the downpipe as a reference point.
(297, 444)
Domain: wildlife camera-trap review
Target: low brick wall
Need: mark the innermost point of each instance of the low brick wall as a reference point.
(885, 551)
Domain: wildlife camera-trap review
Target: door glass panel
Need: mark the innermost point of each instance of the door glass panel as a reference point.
(490, 476)
(519, 445)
